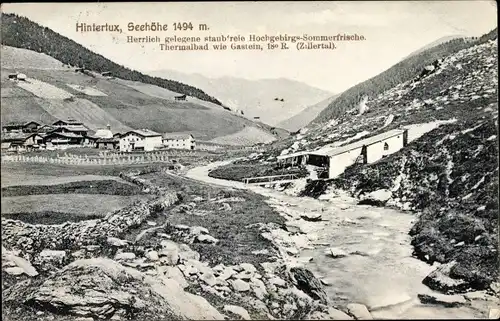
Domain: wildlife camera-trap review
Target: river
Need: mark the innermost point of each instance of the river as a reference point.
(373, 265)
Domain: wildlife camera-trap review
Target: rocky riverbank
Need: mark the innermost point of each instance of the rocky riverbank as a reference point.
(356, 251)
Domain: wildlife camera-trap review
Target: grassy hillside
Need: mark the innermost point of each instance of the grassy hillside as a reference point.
(20, 32)
(256, 98)
(62, 93)
(399, 73)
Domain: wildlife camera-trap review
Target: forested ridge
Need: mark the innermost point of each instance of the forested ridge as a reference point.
(21, 32)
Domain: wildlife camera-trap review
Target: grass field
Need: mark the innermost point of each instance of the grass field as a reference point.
(89, 151)
(80, 205)
(105, 187)
(234, 228)
(52, 194)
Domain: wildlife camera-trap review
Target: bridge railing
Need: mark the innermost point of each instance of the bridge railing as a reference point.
(270, 179)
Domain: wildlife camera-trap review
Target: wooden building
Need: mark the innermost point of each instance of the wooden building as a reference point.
(334, 160)
(180, 98)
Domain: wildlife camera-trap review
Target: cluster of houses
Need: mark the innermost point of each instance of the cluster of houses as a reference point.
(70, 133)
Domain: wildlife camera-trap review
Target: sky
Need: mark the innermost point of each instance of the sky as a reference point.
(392, 29)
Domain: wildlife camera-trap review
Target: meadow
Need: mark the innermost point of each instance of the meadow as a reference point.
(53, 194)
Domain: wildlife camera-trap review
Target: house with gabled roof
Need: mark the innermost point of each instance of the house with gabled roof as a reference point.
(25, 127)
(22, 141)
(178, 141)
(139, 140)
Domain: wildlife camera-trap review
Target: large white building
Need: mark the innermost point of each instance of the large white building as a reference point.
(334, 160)
(104, 132)
(179, 141)
(139, 140)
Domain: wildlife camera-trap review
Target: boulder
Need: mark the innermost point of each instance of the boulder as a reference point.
(240, 285)
(238, 311)
(376, 198)
(448, 301)
(248, 267)
(308, 283)
(359, 311)
(335, 252)
(244, 275)
(114, 241)
(26, 266)
(277, 281)
(125, 256)
(208, 278)
(206, 239)
(14, 270)
(99, 288)
(258, 288)
(152, 256)
(494, 314)
(186, 253)
(440, 281)
(336, 314)
(198, 230)
(227, 273)
(53, 255)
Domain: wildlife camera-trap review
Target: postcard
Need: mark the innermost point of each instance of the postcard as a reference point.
(314, 160)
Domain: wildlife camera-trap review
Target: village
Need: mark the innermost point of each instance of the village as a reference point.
(70, 133)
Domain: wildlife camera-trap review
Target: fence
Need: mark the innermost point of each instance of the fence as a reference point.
(86, 160)
(269, 179)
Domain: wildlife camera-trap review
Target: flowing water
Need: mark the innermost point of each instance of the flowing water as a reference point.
(372, 264)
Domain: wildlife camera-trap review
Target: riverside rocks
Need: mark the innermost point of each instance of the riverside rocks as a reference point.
(238, 311)
(307, 282)
(448, 301)
(359, 311)
(240, 285)
(440, 281)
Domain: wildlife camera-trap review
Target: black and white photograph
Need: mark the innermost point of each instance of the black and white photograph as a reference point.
(249, 160)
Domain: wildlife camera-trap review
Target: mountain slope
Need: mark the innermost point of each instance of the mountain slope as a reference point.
(401, 72)
(61, 93)
(20, 32)
(306, 116)
(256, 98)
(436, 43)
(448, 173)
